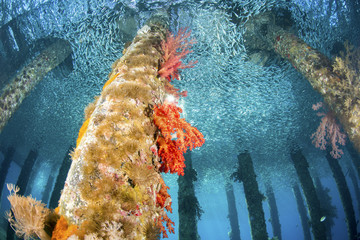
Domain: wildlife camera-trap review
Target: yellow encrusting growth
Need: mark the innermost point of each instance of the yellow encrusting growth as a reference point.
(110, 80)
(82, 131)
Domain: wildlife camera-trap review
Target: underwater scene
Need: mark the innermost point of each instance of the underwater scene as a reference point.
(183, 119)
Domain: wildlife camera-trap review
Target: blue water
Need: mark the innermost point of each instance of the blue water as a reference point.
(236, 103)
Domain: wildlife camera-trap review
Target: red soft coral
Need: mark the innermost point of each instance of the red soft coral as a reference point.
(178, 136)
(167, 119)
(170, 89)
(171, 156)
(175, 48)
(165, 219)
(162, 196)
(163, 200)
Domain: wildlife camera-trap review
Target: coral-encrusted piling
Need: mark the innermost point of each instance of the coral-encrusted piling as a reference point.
(114, 189)
(113, 183)
(28, 77)
(333, 81)
(114, 186)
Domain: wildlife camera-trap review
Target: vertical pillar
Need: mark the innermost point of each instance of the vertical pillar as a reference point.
(232, 212)
(355, 157)
(22, 181)
(189, 207)
(355, 182)
(274, 213)
(302, 212)
(60, 179)
(246, 174)
(114, 180)
(328, 210)
(344, 195)
(5, 165)
(313, 203)
(26, 171)
(48, 187)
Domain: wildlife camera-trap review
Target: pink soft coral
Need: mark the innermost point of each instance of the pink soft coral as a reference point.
(175, 48)
(328, 132)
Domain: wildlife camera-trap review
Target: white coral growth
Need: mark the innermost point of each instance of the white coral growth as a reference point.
(112, 230)
(27, 216)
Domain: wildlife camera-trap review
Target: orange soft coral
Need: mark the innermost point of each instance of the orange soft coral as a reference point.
(167, 119)
(165, 219)
(175, 48)
(163, 197)
(82, 131)
(178, 136)
(171, 156)
(163, 200)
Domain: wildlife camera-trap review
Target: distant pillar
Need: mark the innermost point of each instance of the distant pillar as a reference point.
(246, 174)
(5, 165)
(301, 167)
(22, 182)
(189, 207)
(328, 210)
(28, 77)
(344, 195)
(274, 213)
(302, 212)
(26, 171)
(60, 180)
(48, 187)
(232, 212)
(355, 182)
(355, 157)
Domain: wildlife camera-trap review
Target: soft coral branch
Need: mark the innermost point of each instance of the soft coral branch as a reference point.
(328, 132)
(165, 219)
(167, 119)
(177, 136)
(163, 200)
(175, 48)
(163, 197)
(171, 156)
